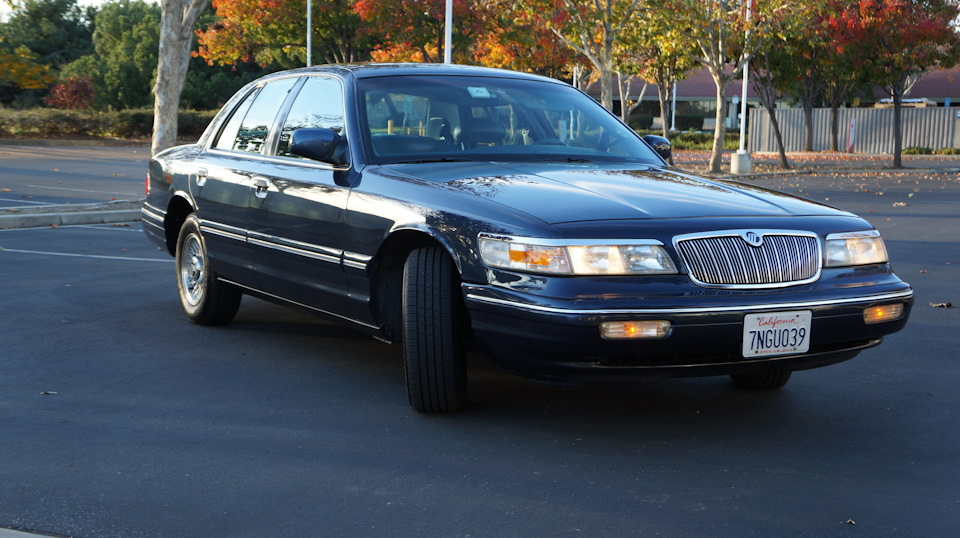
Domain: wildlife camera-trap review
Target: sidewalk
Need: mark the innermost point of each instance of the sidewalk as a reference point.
(821, 162)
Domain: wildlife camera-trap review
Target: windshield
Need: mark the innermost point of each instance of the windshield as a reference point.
(444, 118)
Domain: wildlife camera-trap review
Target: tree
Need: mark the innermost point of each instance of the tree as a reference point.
(725, 40)
(44, 34)
(895, 41)
(19, 69)
(512, 40)
(273, 32)
(413, 30)
(590, 27)
(126, 42)
(176, 32)
(763, 79)
(655, 47)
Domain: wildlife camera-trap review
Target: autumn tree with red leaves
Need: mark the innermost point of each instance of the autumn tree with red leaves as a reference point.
(413, 30)
(275, 32)
(895, 41)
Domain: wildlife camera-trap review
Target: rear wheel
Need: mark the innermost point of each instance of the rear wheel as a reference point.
(434, 359)
(769, 380)
(205, 299)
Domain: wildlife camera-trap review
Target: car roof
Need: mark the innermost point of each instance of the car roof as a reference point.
(369, 70)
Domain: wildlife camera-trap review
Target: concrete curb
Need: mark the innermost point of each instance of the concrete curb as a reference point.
(74, 214)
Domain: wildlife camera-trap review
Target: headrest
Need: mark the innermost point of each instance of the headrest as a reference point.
(480, 131)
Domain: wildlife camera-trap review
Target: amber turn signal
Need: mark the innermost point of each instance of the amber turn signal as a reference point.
(620, 330)
(879, 314)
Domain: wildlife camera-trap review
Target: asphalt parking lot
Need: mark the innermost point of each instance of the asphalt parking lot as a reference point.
(120, 418)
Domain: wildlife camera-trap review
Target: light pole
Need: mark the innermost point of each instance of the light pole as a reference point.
(309, 32)
(740, 161)
(448, 34)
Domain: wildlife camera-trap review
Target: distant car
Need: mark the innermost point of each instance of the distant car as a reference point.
(447, 206)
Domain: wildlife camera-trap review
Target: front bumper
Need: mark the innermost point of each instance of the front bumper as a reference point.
(559, 341)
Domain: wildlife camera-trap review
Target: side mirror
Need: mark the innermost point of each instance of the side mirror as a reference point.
(659, 144)
(324, 145)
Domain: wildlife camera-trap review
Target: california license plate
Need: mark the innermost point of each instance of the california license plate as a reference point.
(776, 333)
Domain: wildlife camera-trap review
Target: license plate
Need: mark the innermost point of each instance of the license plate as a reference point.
(776, 333)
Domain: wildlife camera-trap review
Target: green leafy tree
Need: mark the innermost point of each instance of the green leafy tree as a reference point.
(125, 54)
(724, 39)
(591, 28)
(44, 35)
(57, 31)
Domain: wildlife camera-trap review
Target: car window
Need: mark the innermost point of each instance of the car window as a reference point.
(229, 133)
(253, 130)
(411, 118)
(319, 104)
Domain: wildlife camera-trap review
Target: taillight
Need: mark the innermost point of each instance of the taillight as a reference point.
(146, 186)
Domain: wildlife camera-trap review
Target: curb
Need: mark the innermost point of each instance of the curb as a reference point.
(71, 215)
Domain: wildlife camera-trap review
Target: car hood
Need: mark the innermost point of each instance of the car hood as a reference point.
(575, 193)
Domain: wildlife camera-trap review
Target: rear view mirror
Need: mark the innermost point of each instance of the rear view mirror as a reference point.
(324, 145)
(659, 144)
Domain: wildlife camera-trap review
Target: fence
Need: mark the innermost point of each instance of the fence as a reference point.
(934, 128)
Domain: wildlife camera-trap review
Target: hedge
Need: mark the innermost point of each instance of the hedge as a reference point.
(133, 123)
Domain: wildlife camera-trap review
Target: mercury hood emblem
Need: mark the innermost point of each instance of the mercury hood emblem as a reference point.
(752, 238)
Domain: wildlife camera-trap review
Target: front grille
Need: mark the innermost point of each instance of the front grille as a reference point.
(726, 259)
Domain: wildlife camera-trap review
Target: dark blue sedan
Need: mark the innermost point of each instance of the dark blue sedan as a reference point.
(448, 206)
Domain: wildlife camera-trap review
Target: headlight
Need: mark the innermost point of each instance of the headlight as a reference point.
(855, 248)
(600, 257)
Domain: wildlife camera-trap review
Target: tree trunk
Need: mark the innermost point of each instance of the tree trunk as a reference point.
(663, 93)
(808, 125)
(720, 132)
(834, 127)
(177, 19)
(897, 129)
(784, 163)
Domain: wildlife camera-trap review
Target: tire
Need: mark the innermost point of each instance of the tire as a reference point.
(769, 380)
(434, 358)
(205, 299)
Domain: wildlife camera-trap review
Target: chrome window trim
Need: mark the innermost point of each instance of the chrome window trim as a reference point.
(699, 310)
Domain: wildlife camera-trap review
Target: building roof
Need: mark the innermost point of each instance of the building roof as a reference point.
(937, 85)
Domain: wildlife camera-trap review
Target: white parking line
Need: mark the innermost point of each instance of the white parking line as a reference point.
(25, 202)
(125, 258)
(77, 190)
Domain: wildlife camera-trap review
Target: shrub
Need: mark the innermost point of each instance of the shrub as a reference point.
(948, 151)
(74, 93)
(918, 151)
(132, 123)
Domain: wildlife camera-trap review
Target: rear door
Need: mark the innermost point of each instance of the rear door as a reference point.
(223, 186)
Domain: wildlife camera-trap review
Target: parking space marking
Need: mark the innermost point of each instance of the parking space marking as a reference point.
(76, 190)
(125, 258)
(25, 202)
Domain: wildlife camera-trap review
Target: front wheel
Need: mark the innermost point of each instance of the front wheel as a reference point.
(769, 380)
(434, 359)
(205, 299)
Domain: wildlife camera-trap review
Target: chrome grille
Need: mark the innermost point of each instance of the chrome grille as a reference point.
(726, 259)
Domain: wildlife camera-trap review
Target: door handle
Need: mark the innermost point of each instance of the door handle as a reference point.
(201, 176)
(262, 186)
